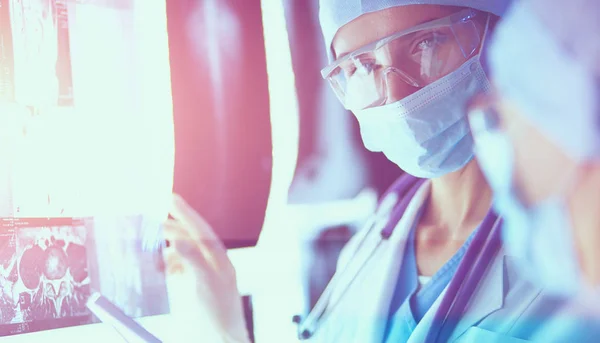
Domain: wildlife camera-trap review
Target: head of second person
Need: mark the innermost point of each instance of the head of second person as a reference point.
(407, 69)
(538, 139)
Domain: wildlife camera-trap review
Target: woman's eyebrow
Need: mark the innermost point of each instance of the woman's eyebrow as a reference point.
(424, 21)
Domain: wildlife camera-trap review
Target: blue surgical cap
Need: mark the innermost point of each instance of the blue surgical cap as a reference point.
(544, 57)
(334, 14)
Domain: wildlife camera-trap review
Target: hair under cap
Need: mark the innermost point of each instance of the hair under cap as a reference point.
(333, 14)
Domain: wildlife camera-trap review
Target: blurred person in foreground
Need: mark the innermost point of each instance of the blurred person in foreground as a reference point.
(538, 142)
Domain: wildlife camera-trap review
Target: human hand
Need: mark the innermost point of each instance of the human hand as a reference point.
(198, 268)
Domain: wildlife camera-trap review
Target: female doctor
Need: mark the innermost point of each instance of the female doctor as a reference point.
(428, 267)
(538, 142)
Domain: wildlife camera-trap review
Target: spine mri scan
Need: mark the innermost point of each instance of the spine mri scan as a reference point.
(43, 274)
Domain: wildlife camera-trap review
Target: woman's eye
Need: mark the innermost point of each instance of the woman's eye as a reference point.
(367, 67)
(349, 71)
(428, 42)
(425, 44)
(362, 68)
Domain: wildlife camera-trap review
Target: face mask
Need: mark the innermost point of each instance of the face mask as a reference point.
(427, 133)
(540, 235)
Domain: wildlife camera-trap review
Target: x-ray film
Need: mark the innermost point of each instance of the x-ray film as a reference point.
(41, 51)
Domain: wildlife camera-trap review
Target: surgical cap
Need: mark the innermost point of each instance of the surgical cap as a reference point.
(334, 14)
(545, 57)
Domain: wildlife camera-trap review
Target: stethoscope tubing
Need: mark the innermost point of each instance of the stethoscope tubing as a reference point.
(486, 244)
(320, 312)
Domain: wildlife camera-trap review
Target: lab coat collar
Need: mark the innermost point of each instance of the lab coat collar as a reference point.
(359, 295)
(387, 274)
(488, 298)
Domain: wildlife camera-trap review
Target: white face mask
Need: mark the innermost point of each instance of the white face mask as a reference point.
(427, 134)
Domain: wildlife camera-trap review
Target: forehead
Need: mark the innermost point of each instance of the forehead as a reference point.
(373, 26)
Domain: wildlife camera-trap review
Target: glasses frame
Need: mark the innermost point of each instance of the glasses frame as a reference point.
(461, 16)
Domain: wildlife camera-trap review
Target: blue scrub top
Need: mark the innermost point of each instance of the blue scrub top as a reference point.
(409, 305)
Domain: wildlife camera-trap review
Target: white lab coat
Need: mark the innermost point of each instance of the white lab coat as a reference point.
(361, 313)
(577, 321)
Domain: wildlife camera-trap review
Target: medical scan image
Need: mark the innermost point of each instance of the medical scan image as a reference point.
(43, 276)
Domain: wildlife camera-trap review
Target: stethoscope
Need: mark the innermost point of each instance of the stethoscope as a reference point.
(471, 270)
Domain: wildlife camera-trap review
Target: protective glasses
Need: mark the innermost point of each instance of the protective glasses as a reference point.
(418, 56)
